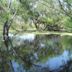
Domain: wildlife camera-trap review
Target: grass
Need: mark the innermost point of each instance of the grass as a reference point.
(34, 31)
(46, 33)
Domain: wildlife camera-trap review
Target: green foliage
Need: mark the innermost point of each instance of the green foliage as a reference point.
(66, 42)
(68, 24)
(43, 13)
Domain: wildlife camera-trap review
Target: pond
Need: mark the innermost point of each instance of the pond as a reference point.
(41, 53)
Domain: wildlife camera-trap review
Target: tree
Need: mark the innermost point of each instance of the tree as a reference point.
(17, 16)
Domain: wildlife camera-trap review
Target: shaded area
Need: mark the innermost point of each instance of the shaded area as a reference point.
(38, 53)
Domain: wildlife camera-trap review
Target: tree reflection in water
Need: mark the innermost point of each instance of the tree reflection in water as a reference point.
(42, 53)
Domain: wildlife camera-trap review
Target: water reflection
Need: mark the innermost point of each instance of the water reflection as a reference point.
(41, 53)
(51, 64)
(17, 67)
(29, 37)
(57, 62)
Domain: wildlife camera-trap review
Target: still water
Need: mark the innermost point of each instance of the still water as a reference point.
(52, 63)
(42, 53)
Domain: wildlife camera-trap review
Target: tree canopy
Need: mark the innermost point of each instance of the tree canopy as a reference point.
(17, 17)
